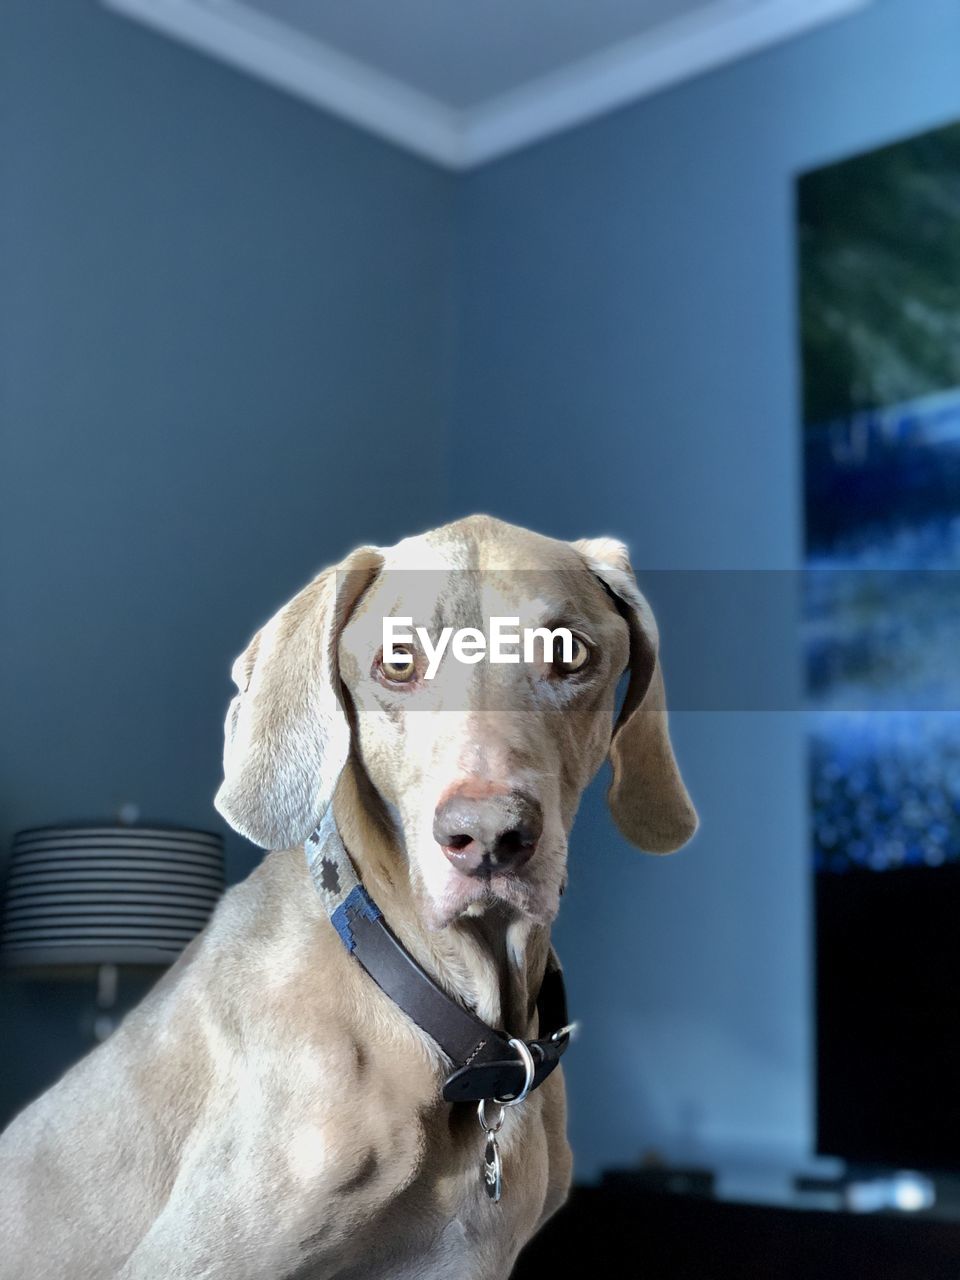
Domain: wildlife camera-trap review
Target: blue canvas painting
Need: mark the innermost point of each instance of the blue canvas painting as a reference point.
(879, 258)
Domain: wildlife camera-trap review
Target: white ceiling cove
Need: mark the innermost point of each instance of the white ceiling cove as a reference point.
(464, 81)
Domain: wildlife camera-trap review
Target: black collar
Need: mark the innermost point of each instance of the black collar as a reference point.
(485, 1064)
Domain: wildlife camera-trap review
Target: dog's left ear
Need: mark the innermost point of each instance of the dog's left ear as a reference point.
(647, 797)
(286, 737)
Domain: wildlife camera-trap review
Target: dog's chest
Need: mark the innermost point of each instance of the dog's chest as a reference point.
(444, 1223)
(462, 1231)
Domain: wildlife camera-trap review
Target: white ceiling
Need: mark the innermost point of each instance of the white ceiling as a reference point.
(463, 81)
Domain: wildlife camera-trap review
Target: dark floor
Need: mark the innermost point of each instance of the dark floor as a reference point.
(662, 1236)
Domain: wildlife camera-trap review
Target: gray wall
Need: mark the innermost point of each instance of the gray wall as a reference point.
(628, 361)
(220, 311)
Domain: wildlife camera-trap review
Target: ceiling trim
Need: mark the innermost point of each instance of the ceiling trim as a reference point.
(667, 55)
(670, 53)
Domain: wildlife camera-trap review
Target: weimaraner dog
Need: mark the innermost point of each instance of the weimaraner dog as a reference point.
(269, 1111)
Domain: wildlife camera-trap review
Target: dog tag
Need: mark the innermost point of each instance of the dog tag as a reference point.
(492, 1168)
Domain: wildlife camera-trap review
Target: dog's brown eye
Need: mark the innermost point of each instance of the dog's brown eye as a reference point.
(402, 669)
(579, 657)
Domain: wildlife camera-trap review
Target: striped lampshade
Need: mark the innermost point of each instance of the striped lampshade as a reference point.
(100, 895)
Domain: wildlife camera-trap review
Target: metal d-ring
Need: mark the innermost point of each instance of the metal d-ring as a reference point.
(529, 1066)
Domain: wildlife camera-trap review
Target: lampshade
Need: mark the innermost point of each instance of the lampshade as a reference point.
(102, 895)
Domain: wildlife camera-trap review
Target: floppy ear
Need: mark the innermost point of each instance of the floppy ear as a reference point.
(286, 737)
(647, 798)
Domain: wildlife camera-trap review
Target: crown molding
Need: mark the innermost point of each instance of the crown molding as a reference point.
(667, 55)
(461, 139)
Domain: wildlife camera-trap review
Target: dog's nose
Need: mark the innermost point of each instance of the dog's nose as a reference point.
(482, 835)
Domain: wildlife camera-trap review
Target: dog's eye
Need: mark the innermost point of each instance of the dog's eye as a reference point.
(402, 669)
(579, 657)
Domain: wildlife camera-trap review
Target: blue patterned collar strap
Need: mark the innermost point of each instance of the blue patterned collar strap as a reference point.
(336, 880)
(484, 1063)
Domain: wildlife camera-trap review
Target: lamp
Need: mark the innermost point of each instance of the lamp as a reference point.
(106, 896)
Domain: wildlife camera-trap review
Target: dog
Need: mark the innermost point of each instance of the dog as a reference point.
(268, 1112)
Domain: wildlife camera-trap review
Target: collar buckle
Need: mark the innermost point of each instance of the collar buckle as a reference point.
(571, 1031)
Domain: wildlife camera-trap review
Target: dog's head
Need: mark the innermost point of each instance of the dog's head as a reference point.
(478, 764)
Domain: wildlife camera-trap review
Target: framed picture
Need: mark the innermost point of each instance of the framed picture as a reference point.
(879, 263)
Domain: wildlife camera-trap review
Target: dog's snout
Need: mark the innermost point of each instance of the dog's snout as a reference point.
(483, 835)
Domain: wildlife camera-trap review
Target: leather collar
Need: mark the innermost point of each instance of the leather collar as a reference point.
(485, 1064)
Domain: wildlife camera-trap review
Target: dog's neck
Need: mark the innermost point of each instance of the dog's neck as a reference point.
(493, 962)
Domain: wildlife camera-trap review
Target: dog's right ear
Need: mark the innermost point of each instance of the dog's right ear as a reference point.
(286, 737)
(647, 796)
